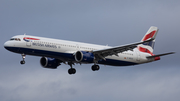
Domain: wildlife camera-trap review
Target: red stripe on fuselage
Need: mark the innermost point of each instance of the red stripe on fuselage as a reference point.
(150, 35)
(30, 38)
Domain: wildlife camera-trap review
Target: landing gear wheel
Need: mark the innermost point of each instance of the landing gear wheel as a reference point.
(22, 62)
(72, 71)
(23, 56)
(95, 67)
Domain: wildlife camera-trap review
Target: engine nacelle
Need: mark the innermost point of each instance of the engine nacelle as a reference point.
(84, 56)
(51, 63)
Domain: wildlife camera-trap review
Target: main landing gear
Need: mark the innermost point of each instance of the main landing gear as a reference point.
(71, 70)
(23, 56)
(95, 67)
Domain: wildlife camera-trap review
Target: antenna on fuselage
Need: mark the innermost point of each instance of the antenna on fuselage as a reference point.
(24, 33)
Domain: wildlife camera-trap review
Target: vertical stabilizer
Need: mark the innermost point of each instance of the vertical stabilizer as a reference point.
(149, 46)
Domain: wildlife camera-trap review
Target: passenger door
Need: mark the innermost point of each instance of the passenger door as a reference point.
(28, 43)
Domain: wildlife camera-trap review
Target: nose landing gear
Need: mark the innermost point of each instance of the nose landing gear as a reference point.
(23, 61)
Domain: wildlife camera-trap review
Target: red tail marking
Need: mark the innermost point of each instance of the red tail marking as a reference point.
(147, 51)
(150, 35)
(144, 50)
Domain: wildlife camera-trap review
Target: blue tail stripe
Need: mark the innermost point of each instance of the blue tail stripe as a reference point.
(150, 43)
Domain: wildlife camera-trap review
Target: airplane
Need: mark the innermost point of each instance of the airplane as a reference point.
(54, 52)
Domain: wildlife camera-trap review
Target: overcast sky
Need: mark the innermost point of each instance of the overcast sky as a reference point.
(112, 22)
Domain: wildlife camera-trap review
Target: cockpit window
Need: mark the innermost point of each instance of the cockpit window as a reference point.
(16, 39)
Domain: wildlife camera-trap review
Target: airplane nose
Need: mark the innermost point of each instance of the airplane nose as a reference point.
(7, 45)
(10, 46)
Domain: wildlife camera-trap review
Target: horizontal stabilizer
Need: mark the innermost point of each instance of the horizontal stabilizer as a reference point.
(160, 55)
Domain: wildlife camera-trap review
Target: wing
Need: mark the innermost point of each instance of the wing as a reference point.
(101, 54)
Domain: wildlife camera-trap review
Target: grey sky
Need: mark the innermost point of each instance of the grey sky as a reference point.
(114, 22)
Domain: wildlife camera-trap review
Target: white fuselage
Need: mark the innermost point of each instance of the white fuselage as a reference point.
(64, 50)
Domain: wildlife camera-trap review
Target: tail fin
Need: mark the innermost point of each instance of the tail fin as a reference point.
(149, 46)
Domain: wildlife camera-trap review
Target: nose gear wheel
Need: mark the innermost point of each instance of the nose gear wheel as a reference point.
(23, 56)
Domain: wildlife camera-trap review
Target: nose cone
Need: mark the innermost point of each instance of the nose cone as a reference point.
(5, 44)
(8, 45)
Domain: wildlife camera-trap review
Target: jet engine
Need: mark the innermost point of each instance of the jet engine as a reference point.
(51, 63)
(84, 56)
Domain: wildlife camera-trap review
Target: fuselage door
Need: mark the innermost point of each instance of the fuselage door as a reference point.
(138, 56)
(77, 47)
(28, 43)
